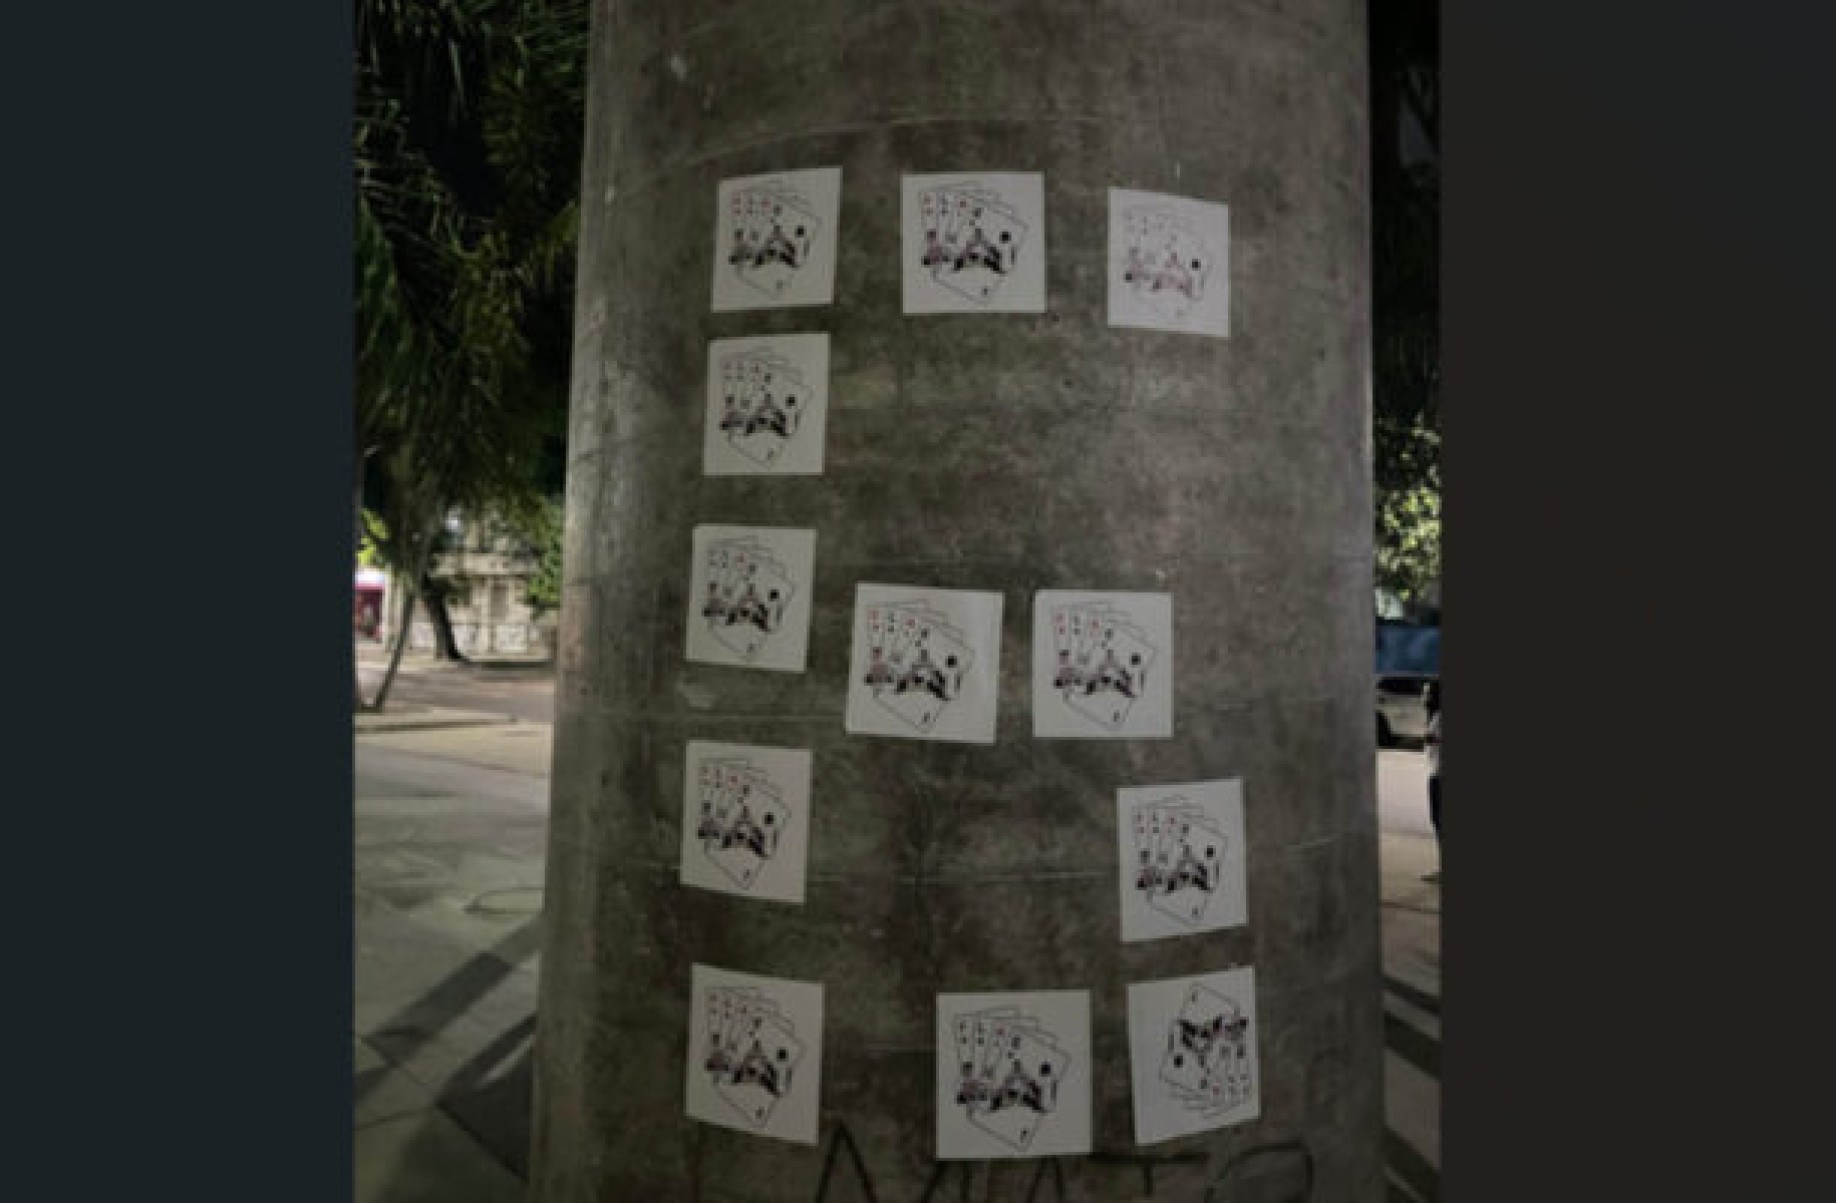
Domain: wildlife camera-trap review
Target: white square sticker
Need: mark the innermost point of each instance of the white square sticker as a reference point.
(745, 820)
(755, 1053)
(974, 243)
(925, 663)
(749, 596)
(1180, 859)
(1102, 665)
(1013, 1075)
(1192, 1054)
(767, 406)
(1169, 263)
(774, 240)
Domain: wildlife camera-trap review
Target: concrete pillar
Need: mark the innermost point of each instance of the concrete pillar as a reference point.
(996, 452)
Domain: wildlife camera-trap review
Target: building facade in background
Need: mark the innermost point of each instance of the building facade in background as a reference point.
(486, 570)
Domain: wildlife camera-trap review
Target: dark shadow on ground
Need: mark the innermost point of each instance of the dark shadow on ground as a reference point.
(488, 1097)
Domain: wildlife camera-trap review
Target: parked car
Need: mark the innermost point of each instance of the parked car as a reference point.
(1408, 659)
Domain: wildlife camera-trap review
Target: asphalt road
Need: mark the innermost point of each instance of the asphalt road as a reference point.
(524, 693)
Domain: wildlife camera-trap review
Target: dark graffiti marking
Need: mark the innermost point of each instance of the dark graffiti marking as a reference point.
(1147, 1163)
(844, 1137)
(1217, 1192)
(1293, 1155)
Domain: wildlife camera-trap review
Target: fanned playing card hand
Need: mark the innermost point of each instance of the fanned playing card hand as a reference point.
(1011, 1073)
(1207, 1062)
(748, 592)
(1102, 661)
(917, 661)
(774, 228)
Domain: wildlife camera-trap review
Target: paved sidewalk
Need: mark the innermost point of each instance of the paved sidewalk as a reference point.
(451, 831)
(1411, 919)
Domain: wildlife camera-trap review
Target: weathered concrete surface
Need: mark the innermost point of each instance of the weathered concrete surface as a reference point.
(1003, 452)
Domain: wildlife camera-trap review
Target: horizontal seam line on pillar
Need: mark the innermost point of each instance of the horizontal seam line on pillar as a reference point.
(650, 46)
(703, 158)
(670, 871)
(649, 718)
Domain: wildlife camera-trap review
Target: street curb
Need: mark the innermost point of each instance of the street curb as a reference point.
(431, 720)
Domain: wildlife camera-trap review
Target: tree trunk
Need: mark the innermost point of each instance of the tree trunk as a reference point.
(433, 600)
(987, 451)
(423, 555)
(356, 549)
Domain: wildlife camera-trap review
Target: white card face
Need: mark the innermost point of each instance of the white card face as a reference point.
(1102, 665)
(745, 820)
(749, 596)
(974, 243)
(925, 663)
(1013, 1075)
(1192, 1054)
(1180, 859)
(755, 1053)
(774, 240)
(1169, 263)
(767, 406)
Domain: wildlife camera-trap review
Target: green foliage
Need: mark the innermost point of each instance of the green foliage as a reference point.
(1406, 262)
(467, 140)
(543, 592)
(370, 548)
(1409, 538)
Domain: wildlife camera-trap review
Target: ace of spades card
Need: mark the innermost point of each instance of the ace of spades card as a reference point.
(767, 406)
(749, 596)
(745, 820)
(775, 238)
(754, 1053)
(1180, 859)
(924, 663)
(973, 243)
(1192, 1054)
(1013, 1075)
(1169, 263)
(1102, 665)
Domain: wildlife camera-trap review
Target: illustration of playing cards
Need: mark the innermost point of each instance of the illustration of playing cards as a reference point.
(1168, 263)
(974, 243)
(924, 663)
(774, 240)
(1102, 665)
(745, 827)
(1181, 859)
(755, 1053)
(749, 596)
(1192, 1054)
(768, 399)
(1013, 1075)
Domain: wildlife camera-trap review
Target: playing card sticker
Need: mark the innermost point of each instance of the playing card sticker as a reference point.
(755, 1053)
(768, 402)
(1192, 1054)
(1180, 857)
(1013, 1075)
(925, 663)
(749, 596)
(974, 243)
(745, 820)
(1102, 665)
(774, 240)
(1169, 263)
